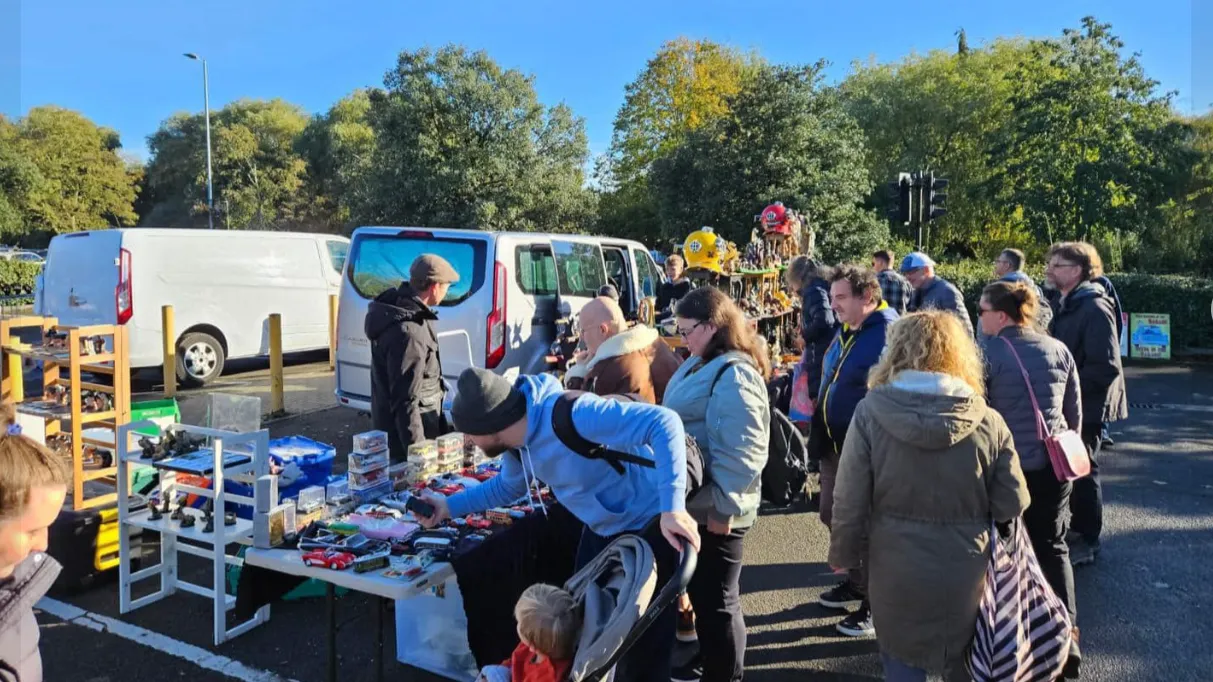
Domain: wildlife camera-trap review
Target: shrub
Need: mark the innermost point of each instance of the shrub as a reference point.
(17, 278)
(1186, 299)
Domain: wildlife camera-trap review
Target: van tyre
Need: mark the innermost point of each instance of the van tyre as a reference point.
(199, 359)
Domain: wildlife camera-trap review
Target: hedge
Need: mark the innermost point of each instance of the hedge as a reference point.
(17, 277)
(1186, 299)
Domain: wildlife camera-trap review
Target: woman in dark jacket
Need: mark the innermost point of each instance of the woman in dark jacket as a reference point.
(809, 279)
(1007, 310)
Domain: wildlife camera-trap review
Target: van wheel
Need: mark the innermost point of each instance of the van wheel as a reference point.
(199, 359)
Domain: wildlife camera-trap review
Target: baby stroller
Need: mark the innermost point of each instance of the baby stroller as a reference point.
(616, 593)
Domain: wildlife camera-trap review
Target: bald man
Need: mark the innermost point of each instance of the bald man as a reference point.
(618, 359)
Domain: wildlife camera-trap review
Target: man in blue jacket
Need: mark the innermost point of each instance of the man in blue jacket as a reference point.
(499, 416)
(855, 297)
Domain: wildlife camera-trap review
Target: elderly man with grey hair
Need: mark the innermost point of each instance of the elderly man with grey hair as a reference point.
(619, 360)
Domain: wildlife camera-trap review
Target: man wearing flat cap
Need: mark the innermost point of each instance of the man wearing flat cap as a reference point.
(406, 369)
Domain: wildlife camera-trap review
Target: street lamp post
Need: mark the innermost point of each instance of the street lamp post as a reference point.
(206, 103)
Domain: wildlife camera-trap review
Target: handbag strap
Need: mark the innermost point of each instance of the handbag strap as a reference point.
(1041, 426)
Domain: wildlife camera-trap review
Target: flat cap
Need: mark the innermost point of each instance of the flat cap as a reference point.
(430, 269)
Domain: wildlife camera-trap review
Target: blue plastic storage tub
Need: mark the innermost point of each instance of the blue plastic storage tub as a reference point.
(307, 461)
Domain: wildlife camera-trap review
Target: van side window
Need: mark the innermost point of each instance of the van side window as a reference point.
(535, 270)
(649, 278)
(579, 268)
(337, 254)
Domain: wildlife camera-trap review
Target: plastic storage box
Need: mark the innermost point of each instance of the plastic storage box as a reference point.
(362, 463)
(370, 479)
(370, 441)
(305, 462)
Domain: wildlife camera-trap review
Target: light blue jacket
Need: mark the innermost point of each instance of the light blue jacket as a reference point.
(731, 424)
(605, 500)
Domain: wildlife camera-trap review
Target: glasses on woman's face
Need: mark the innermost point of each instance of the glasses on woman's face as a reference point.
(684, 333)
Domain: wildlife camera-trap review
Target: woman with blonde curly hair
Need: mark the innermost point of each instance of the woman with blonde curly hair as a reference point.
(924, 468)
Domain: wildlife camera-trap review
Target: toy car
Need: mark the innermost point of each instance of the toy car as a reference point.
(448, 490)
(498, 515)
(478, 522)
(370, 562)
(328, 559)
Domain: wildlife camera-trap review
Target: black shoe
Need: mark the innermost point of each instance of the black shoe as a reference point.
(842, 596)
(691, 672)
(1083, 552)
(858, 624)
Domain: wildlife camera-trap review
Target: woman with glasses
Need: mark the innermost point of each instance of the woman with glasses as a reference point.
(1016, 348)
(721, 395)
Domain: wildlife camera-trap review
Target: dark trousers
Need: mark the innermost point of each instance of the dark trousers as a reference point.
(1086, 501)
(649, 658)
(829, 475)
(715, 591)
(1047, 520)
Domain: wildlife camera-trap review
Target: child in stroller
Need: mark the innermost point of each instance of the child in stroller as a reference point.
(549, 624)
(581, 632)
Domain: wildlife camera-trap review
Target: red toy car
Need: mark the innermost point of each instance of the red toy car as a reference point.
(478, 522)
(448, 490)
(328, 559)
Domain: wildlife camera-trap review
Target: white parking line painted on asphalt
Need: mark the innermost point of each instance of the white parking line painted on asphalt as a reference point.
(196, 655)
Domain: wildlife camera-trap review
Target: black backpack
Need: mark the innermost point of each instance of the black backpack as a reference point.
(787, 468)
(566, 431)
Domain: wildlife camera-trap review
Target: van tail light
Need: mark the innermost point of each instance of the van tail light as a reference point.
(494, 351)
(124, 302)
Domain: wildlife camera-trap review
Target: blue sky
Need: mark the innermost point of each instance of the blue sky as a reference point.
(119, 62)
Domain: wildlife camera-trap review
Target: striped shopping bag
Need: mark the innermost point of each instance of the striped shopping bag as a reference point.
(1023, 629)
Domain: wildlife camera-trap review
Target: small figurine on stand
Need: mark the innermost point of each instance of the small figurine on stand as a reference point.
(229, 519)
(179, 513)
(187, 520)
(208, 514)
(156, 513)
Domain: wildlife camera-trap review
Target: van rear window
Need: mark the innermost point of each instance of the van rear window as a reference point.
(377, 263)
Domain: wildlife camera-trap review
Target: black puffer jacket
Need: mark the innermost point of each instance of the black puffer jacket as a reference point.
(1083, 321)
(817, 327)
(19, 657)
(406, 370)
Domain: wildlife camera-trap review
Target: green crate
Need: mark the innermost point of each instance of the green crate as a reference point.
(163, 412)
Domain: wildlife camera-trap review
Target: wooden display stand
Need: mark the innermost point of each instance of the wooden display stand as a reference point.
(176, 539)
(115, 362)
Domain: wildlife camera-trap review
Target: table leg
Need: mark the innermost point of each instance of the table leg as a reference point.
(379, 608)
(330, 602)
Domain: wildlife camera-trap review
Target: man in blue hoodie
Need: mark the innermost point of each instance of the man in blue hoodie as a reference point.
(499, 416)
(855, 298)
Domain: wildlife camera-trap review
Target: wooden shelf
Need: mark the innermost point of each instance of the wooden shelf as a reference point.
(65, 367)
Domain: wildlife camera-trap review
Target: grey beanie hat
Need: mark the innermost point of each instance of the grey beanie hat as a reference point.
(486, 403)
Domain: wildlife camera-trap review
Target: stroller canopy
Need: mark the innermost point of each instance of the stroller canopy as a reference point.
(613, 590)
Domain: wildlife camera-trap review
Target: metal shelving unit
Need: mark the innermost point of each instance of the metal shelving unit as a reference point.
(175, 540)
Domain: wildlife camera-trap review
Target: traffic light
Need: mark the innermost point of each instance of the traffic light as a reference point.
(934, 196)
(901, 194)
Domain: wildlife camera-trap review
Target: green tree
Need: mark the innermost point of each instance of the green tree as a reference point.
(60, 172)
(339, 147)
(258, 176)
(787, 139)
(461, 142)
(941, 111)
(686, 85)
(1085, 153)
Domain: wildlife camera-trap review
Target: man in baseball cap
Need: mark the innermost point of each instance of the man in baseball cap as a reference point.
(406, 371)
(931, 291)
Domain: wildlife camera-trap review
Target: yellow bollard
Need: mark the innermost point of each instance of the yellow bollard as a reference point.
(332, 332)
(16, 378)
(277, 406)
(169, 338)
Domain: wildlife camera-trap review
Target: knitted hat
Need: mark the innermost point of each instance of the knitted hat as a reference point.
(486, 403)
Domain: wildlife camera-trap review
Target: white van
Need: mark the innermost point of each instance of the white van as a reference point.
(503, 311)
(223, 286)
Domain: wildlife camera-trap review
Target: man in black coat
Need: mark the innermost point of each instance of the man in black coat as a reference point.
(1083, 320)
(406, 369)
